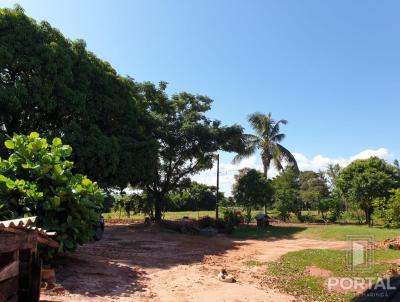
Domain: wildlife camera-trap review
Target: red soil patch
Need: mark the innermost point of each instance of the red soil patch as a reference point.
(136, 263)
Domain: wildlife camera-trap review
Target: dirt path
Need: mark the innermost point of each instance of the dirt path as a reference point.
(141, 264)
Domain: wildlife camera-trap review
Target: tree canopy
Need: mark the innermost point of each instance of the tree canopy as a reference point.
(286, 193)
(54, 86)
(364, 180)
(196, 197)
(332, 174)
(252, 189)
(313, 188)
(268, 140)
(188, 140)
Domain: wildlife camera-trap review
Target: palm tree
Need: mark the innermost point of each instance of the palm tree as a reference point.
(267, 139)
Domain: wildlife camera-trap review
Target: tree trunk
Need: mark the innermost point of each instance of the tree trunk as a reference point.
(157, 213)
(157, 209)
(248, 216)
(266, 167)
(266, 162)
(368, 213)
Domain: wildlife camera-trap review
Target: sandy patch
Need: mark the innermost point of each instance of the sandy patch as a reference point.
(317, 272)
(144, 264)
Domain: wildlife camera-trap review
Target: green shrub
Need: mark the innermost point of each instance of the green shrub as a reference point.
(226, 225)
(232, 219)
(37, 180)
(235, 217)
(309, 218)
(283, 210)
(388, 209)
(331, 208)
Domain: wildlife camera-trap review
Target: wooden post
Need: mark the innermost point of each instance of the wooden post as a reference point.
(216, 196)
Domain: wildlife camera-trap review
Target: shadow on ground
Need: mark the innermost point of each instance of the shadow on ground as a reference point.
(271, 232)
(97, 276)
(118, 264)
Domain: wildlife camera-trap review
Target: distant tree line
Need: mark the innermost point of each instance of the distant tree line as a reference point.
(368, 185)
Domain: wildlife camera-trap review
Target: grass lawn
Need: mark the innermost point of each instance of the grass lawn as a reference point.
(173, 215)
(321, 232)
(167, 215)
(290, 276)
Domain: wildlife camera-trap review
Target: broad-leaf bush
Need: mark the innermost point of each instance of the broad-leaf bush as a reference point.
(388, 209)
(37, 180)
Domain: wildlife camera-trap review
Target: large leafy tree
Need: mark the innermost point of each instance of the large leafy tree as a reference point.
(364, 180)
(188, 141)
(313, 188)
(196, 197)
(388, 209)
(332, 173)
(267, 139)
(54, 86)
(286, 193)
(252, 190)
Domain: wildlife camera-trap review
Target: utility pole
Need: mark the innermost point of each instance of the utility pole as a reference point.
(216, 196)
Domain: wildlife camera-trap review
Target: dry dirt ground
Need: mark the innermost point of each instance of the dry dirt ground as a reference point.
(137, 263)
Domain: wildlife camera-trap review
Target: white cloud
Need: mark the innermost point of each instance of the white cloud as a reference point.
(318, 162)
(381, 153)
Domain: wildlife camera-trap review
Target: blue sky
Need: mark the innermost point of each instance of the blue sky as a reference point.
(332, 68)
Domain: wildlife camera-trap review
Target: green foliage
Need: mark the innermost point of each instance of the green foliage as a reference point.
(54, 86)
(388, 209)
(132, 204)
(289, 272)
(268, 140)
(109, 202)
(188, 141)
(362, 181)
(286, 194)
(226, 202)
(332, 206)
(36, 179)
(327, 232)
(232, 219)
(194, 198)
(313, 188)
(332, 174)
(396, 165)
(252, 190)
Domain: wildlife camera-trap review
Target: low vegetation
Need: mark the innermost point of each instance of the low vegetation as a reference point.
(252, 190)
(320, 232)
(290, 272)
(122, 215)
(37, 179)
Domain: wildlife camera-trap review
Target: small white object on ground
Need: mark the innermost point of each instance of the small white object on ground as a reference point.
(225, 277)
